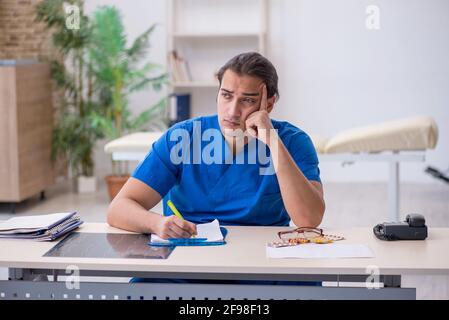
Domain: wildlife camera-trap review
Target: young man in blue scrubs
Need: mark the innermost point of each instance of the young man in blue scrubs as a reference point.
(206, 166)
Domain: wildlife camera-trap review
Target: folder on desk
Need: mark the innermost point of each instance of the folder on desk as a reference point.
(208, 234)
(40, 227)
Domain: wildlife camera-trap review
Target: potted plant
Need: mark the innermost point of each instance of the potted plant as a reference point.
(74, 135)
(120, 70)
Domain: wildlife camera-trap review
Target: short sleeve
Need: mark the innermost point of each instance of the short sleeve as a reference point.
(157, 170)
(304, 154)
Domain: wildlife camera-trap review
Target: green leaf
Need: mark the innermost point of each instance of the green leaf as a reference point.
(151, 114)
(140, 45)
(156, 82)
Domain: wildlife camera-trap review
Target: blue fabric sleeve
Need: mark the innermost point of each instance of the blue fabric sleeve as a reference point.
(157, 170)
(304, 154)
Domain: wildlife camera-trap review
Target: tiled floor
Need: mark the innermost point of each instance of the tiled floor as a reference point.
(347, 205)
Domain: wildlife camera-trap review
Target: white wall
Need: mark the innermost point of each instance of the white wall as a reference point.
(336, 74)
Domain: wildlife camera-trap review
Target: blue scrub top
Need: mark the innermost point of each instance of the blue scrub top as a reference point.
(233, 191)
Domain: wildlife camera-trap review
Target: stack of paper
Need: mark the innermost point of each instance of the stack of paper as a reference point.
(42, 227)
(207, 234)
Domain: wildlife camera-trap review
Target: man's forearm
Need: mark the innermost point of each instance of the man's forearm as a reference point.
(135, 219)
(302, 200)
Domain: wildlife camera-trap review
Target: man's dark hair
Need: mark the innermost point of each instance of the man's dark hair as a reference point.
(256, 65)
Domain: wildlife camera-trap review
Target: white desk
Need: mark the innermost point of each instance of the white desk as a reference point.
(244, 257)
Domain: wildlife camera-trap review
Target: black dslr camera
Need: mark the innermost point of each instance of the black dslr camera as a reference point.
(413, 228)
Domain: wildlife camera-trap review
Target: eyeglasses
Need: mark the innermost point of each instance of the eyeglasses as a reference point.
(303, 235)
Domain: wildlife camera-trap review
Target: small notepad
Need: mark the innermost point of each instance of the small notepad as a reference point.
(207, 234)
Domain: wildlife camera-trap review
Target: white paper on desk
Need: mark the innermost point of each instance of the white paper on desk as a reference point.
(312, 250)
(33, 222)
(210, 230)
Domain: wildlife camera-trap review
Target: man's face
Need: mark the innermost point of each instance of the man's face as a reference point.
(238, 97)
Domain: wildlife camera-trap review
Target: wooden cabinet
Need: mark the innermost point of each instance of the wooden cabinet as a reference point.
(26, 124)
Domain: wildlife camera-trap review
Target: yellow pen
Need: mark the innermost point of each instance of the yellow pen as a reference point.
(176, 212)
